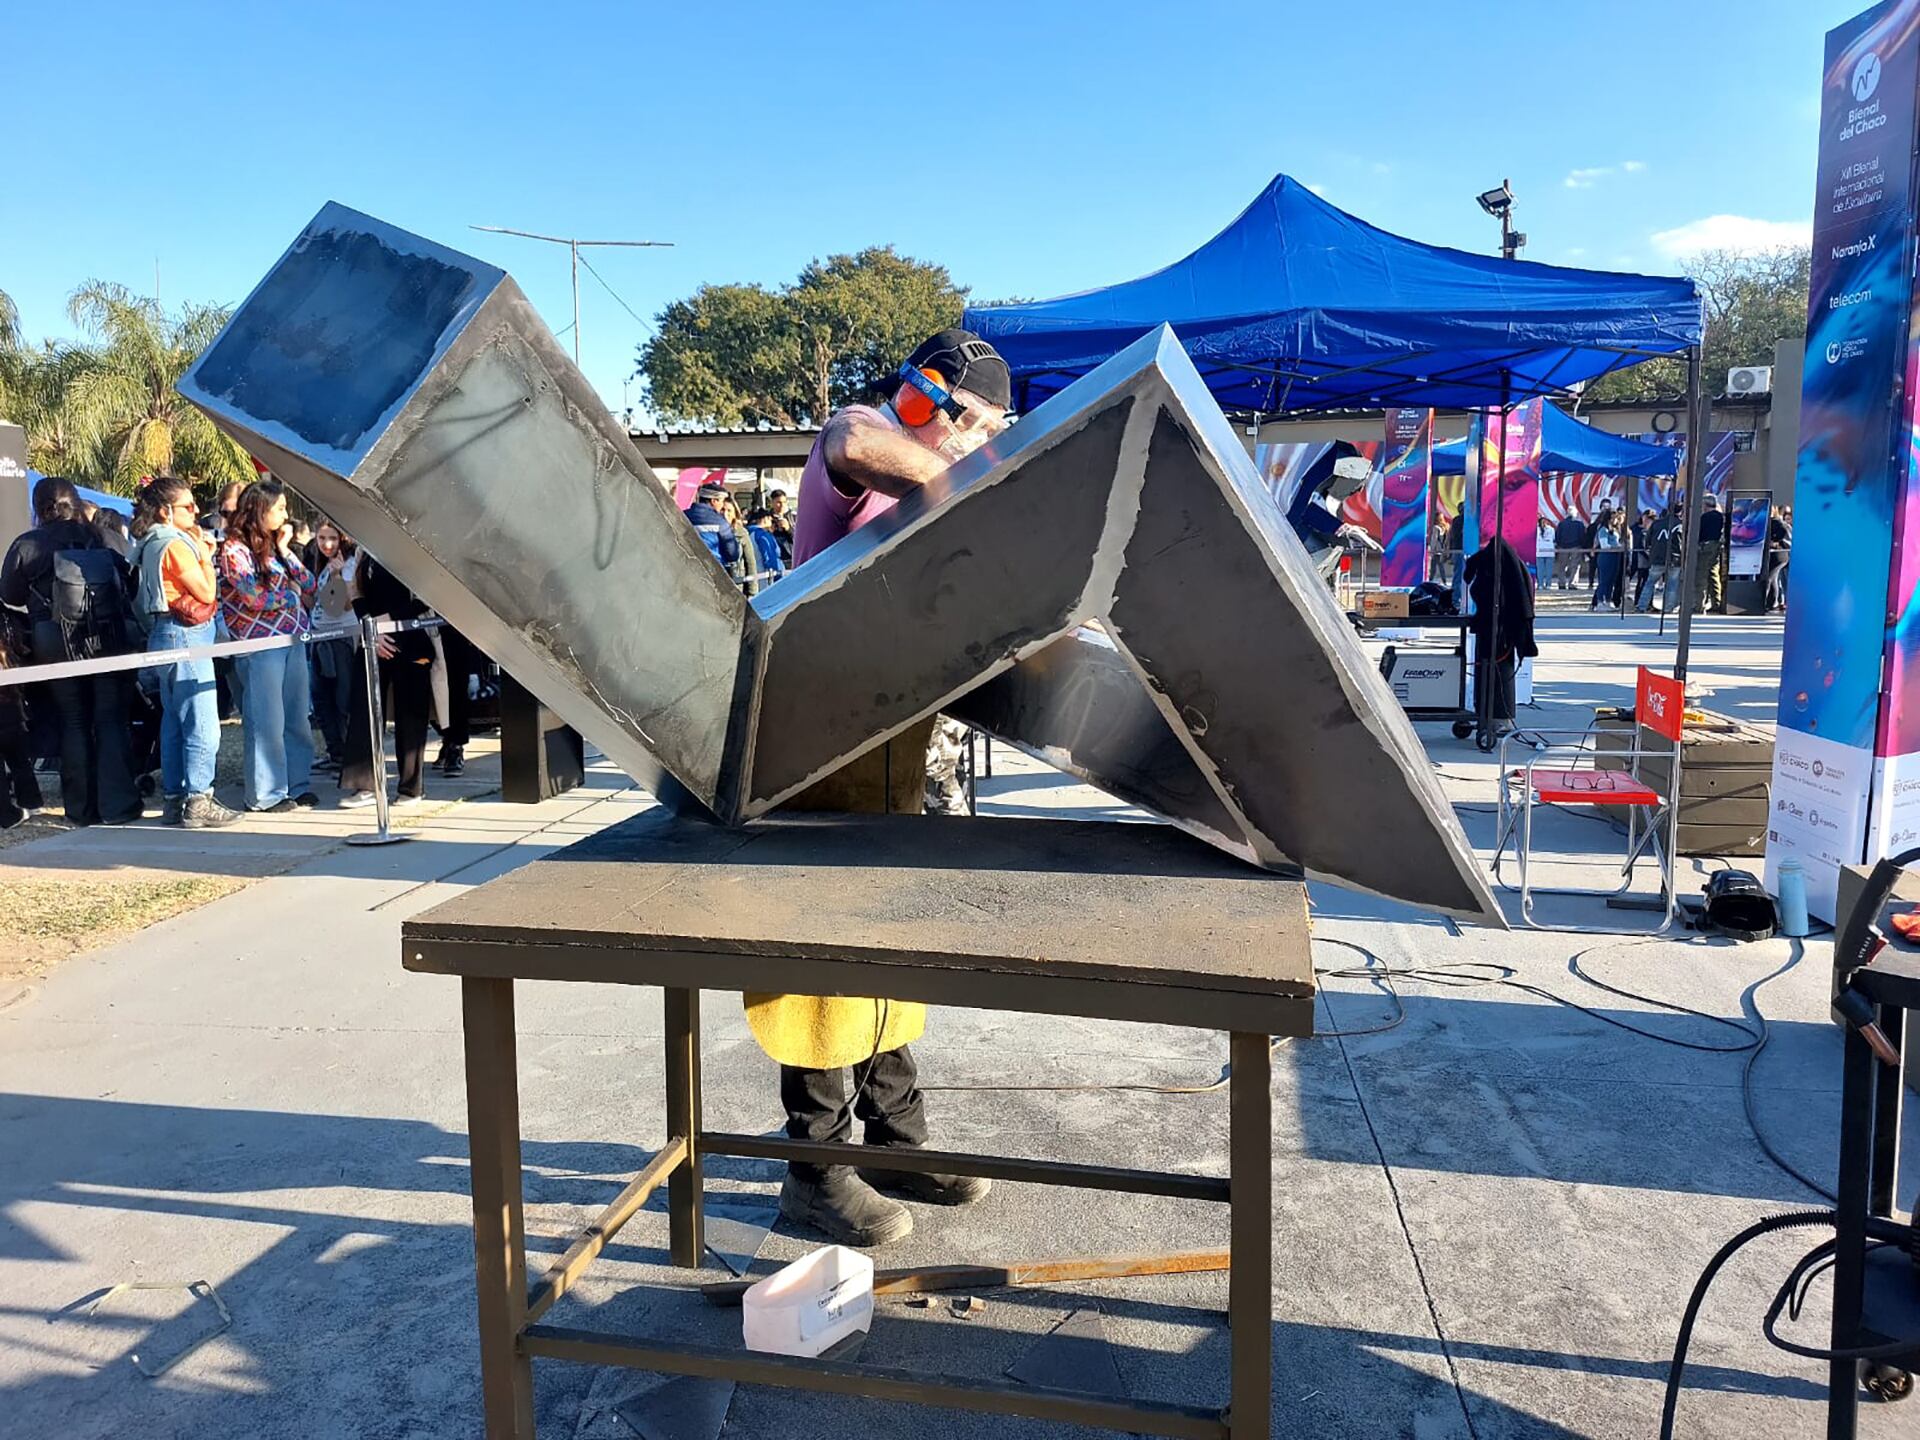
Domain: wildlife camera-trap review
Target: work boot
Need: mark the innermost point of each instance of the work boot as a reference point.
(933, 1189)
(203, 812)
(453, 760)
(843, 1207)
(171, 807)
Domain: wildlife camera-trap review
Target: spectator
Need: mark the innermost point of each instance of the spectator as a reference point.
(1779, 551)
(1590, 545)
(1568, 538)
(406, 681)
(331, 558)
(782, 526)
(266, 591)
(112, 526)
(19, 790)
(1610, 552)
(766, 545)
(176, 600)
(749, 557)
(466, 667)
(1713, 554)
(710, 523)
(230, 494)
(64, 594)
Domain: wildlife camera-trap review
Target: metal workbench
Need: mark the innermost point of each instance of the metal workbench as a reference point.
(1101, 919)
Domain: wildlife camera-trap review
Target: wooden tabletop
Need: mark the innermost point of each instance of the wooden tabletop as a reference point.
(1100, 918)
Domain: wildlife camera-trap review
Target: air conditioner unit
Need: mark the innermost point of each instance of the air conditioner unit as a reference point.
(1750, 380)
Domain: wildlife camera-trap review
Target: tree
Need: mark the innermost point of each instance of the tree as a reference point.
(743, 354)
(1747, 301)
(120, 409)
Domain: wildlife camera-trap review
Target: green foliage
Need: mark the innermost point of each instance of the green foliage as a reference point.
(1747, 303)
(105, 412)
(743, 354)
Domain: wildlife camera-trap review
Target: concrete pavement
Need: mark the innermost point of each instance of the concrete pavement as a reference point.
(1488, 1216)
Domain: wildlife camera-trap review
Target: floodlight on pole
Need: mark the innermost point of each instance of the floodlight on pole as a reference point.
(573, 244)
(1499, 204)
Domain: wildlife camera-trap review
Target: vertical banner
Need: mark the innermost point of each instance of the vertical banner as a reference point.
(1747, 534)
(1509, 499)
(1851, 465)
(1406, 473)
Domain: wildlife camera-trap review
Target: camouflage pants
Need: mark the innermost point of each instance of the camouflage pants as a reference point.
(948, 772)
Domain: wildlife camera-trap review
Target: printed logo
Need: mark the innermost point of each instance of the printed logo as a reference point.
(1839, 350)
(1818, 769)
(1866, 77)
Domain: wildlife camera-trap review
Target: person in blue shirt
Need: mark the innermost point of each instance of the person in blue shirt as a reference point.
(705, 517)
(766, 545)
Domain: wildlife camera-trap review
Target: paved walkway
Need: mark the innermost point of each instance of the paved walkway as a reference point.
(1488, 1212)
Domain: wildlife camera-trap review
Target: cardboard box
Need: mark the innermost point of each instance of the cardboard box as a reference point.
(1383, 604)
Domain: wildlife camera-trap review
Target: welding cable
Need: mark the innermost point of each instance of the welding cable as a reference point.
(1879, 1231)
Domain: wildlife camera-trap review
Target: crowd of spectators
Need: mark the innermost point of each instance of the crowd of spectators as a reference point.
(85, 584)
(754, 551)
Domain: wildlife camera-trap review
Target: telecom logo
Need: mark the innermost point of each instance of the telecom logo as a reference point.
(1866, 77)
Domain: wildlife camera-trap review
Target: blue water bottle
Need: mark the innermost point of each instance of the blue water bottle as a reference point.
(1793, 899)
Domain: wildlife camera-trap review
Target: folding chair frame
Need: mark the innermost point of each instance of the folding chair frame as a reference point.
(1662, 822)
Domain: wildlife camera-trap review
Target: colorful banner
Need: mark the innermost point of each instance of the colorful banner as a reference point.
(1283, 463)
(1850, 560)
(1406, 472)
(1747, 535)
(1506, 459)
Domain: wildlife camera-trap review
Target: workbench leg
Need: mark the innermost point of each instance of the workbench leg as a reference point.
(686, 1228)
(1250, 1199)
(499, 1222)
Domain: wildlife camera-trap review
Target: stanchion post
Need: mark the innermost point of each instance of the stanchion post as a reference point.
(376, 741)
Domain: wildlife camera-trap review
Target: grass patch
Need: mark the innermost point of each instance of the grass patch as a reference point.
(74, 910)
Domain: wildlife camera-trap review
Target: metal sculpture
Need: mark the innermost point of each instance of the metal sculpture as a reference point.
(1107, 584)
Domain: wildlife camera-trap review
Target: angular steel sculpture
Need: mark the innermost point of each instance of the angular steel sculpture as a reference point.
(412, 393)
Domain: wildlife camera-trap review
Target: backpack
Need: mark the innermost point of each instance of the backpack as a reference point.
(88, 601)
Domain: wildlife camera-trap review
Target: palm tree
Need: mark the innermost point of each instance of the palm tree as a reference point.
(33, 388)
(9, 322)
(119, 410)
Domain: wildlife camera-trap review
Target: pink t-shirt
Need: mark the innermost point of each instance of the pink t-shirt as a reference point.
(825, 514)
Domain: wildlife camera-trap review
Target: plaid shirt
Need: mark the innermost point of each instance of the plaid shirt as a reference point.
(257, 603)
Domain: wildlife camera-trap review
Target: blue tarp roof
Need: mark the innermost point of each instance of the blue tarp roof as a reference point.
(1570, 444)
(1299, 305)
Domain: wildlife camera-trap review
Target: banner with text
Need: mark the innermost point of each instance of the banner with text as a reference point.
(1406, 475)
(1851, 465)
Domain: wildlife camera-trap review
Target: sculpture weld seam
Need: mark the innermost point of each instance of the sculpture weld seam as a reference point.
(1107, 584)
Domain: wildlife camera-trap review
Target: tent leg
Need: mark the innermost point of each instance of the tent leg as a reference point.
(1698, 421)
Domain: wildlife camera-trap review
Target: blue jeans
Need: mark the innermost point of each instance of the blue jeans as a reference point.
(274, 706)
(189, 714)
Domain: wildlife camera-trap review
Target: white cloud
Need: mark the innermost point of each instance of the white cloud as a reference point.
(1319, 190)
(1633, 167)
(1574, 252)
(1380, 167)
(1740, 233)
(1583, 179)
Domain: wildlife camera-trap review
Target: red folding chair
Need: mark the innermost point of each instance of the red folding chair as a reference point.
(1567, 772)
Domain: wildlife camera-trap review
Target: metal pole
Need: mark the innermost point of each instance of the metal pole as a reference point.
(1483, 700)
(573, 249)
(376, 740)
(1697, 423)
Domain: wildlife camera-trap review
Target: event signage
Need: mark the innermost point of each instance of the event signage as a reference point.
(1747, 534)
(1503, 451)
(1842, 748)
(1406, 474)
(16, 513)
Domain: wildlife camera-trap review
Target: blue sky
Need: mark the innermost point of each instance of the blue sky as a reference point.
(1033, 149)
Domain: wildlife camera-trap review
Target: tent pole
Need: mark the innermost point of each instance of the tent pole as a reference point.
(1483, 706)
(1697, 443)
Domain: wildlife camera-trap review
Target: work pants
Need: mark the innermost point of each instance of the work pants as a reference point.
(1565, 564)
(1712, 587)
(463, 665)
(889, 1104)
(96, 743)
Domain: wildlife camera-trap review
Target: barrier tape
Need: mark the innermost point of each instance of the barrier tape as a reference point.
(144, 659)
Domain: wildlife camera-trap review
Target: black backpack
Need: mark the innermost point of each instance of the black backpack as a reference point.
(88, 601)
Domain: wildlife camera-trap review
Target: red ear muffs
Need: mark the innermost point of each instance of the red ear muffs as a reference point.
(913, 405)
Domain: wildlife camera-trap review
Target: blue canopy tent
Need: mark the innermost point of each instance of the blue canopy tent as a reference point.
(1298, 305)
(1570, 444)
